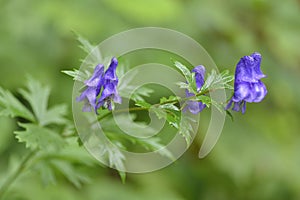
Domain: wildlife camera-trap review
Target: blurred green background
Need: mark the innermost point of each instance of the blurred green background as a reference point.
(257, 156)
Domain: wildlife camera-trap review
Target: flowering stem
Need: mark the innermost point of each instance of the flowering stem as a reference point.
(157, 104)
(122, 110)
(183, 99)
(23, 165)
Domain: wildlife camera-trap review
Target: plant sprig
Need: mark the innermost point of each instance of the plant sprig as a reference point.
(40, 131)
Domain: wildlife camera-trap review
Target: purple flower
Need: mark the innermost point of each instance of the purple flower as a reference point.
(199, 76)
(110, 93)
(248, 69)
(247, 84)
(94, 84)
(108, 81)
(194, 106)
(110, 73)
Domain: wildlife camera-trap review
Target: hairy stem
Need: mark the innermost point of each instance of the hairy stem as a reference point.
(23, 165)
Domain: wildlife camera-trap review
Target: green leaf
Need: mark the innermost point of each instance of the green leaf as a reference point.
(209, 81)
(73, 153)
(94, 56)
(131, 90)
(223, 79)
(116, 135)
(46, 172)
(141, 92)
(183, 85)
(170, 99)
(185, 71)
(167, 111)
(204, 99)
(39, 137)
(11, 106)
(65, 161)
(186, 129)
(128, 90)
(37, 96)
(77, 75)
(55, 115)
(190, 78)
(69, 129)
(84, 43)
(169, 106)
(173, 119)
(230, 115)
(154, 144)
(74, 176)
(218, 106)
(116, 159)
(48, 165)
(143, 104)
(122, 176)
(191, 86)
(160, 112)
(218, 81)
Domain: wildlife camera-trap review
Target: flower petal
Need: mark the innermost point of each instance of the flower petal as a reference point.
(110, 73)
(108, 90)
(241, 91)
(195, 107)
(244, 107)
(88, 95)
(229, 104)
(258, 92)
(97, 77)
(248, 69)
(199, 76)
(236, 106)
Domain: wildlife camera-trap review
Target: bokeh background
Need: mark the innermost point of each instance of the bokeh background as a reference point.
(257, 156)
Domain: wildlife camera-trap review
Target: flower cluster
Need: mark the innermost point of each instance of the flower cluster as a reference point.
(247, 84)
(108, 81)
(194, 106)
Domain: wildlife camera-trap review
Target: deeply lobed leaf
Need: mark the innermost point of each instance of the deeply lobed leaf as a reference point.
(37, 96)
(37, 137)
(11, 106)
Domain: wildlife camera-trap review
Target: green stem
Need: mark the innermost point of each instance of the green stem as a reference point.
(158, 104)
(23, 165)
(121, 110)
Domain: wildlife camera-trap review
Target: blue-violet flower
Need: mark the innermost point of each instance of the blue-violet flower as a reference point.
(108, 81)
(194, 106)
(94, 84)
(110, 93)
(247, 84)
